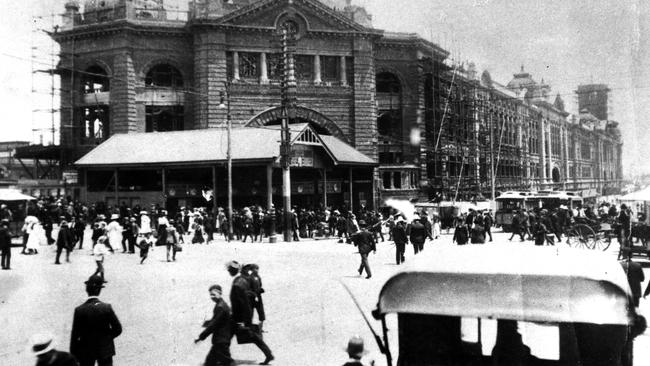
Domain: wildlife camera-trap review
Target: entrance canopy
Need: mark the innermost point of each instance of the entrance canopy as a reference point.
(8, 194)
(249, 145)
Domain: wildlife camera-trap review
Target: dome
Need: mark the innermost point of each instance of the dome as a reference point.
(522, 80)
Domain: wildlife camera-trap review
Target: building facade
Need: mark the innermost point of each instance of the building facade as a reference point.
(432, 129)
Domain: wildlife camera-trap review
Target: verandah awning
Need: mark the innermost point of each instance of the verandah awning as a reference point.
(206, 146)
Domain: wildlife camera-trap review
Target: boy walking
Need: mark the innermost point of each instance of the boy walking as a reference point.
(219, 326)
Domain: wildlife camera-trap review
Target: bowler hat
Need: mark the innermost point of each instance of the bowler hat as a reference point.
(362, 223)
(95, 281)
(42, 343)
(233, 265)
(355, 347)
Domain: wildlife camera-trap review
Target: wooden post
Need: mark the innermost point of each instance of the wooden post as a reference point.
(164, 188)
(325, 187)
(351, 199)
(269, 186)
(117, 184)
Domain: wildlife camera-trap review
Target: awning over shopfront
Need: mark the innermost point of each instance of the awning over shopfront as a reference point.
(642, 195)
(249, 144)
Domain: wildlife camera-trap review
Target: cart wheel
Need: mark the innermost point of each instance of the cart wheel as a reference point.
(582, 236)
(601, 244)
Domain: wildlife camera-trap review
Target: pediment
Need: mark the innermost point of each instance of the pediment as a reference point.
(315, 16)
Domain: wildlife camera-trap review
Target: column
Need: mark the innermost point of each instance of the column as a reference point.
(214, 191)
(164, 187)
(317, 74)
(264, 74)
(325, 188)
(344, 72)
(235, 66)
(269, 187)
(117, 185)
(549, 156)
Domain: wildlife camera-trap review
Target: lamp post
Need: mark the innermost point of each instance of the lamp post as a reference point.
(225, 103)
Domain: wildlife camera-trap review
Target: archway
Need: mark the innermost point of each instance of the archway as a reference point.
(322, 124)
(555, 175)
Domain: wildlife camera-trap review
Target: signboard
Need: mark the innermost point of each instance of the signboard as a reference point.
(70, 177)
(302, 157)
(332, 186)
(302, 188)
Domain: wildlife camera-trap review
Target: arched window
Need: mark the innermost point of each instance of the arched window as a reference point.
(164, 75)
(388, 83)
(94, 80)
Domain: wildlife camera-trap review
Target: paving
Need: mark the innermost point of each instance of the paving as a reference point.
(162, 305)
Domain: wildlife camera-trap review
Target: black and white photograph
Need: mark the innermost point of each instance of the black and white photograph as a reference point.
(325, 182)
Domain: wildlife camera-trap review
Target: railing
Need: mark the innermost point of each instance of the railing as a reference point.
(123, 12)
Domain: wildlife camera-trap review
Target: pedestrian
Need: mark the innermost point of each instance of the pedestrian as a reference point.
(399, 237)
(114, 233)
(540, 232)
(516, 226)
(145, 222)
(145, 245)
(172, 241)
(220, 327)
(477, 233)
(198, 230)
(163, 223)
(242, 310)
(42, 345)
(356, 351)
(5, 244)
(417, 234)
(624, 220)
(488, 222)
(64, 240)
(436, 226)
(365, 241)
(251, 272)
(377, 227)
(94, 327)
(461, 234)
(133, 234)
(79, 227)
(99, 252)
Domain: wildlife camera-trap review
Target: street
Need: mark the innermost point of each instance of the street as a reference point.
(162, 305)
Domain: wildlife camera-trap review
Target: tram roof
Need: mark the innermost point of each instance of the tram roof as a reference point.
(508, 282)
(249, 144)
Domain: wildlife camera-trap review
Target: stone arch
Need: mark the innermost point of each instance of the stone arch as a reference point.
(144, 70)
(322, 123)
(391, 70)
(297, 17)
(95, 76)
(97, 62)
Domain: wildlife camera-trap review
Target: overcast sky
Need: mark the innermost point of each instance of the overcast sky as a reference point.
(565, 42)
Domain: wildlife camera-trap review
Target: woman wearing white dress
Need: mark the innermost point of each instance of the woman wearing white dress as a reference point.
(145, 223)
(114, 232)
(35, 231)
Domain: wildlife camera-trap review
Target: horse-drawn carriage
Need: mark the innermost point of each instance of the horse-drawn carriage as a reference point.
(590, 233)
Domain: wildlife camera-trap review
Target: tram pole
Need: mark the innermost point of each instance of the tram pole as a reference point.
(288, 94)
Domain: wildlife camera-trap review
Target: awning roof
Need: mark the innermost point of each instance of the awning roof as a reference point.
(250, 144)
(642, 195)
(8, 194)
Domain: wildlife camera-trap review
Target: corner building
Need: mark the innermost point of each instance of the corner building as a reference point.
(143, 118)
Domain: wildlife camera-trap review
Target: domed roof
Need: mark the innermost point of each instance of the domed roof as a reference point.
(522, 80)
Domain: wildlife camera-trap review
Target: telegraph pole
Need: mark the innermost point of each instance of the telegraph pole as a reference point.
(288, 94)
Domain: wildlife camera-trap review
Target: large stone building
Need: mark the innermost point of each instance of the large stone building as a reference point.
(380, 115)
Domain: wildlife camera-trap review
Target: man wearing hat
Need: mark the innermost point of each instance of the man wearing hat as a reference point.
(5, 244)
(356, 351)
(94, 327)
(418, 234)
(64, 240)
(42, 345)
(365, 241)
(398, 233)
(242, 309)
(220, 328)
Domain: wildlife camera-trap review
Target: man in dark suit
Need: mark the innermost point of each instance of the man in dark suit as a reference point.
(5, 244)
(418, 234)
(242, 309)
(64, 240)
(635, 277)
(365, 241)
(220, 327)
(398, 234)
(94, 327)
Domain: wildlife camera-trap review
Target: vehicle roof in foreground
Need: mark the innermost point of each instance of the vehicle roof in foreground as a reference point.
(543, 284)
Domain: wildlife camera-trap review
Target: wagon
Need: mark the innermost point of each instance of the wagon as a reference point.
(590, 234)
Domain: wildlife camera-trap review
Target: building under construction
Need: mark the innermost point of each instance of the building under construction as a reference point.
(379, 115)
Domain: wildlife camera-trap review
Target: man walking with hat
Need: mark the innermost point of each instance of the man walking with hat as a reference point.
(5, 244)
(94, 327)
(398, 233)
(242, 310)
(64, 240)
(356, 351)
(220, 328)
(365, 241)
(42, 346)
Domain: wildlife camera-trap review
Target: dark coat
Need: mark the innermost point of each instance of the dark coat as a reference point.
(364, 240)
(461, 235)
(66, 238)
(219, 326)
(399, 234)
(634, 276)
(94, 327)
(478, 234)
(5, 238)
(417, 232)
(59, 358)
(242, 309)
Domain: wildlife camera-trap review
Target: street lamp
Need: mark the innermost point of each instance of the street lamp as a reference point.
(225, 103)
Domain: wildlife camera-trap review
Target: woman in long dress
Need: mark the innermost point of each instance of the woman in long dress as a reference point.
(36, 235)
(114, 232)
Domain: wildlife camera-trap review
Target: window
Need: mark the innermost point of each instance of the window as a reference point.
(274, 66)
(94, 80)
(585, 150)
(94, 124)
(164, 118)
(329, 68)
(249, 65)
(304, 67)
(164, 76)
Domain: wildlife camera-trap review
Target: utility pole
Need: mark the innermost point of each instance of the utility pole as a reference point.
(492, 173)
(288, 94)
(225, 102)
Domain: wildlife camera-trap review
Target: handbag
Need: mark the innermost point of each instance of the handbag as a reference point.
(178, 247)
(246, 334)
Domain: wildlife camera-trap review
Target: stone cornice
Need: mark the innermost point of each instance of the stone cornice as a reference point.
(120, 26)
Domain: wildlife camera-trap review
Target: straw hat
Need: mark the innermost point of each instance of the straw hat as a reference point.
(41, 343)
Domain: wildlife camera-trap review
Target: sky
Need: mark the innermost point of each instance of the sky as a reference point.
(565, 42)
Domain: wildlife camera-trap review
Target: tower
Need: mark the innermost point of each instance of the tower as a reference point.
(593, 98)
